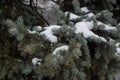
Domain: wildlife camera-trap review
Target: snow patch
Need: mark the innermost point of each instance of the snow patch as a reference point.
(62, 48)
(90, 14)
(118, 50)
(31, 32)
(107, 27)
(118, 47)
(117, 44)
(102, 38)
(36, 61)
(84, 28)
(85, 9)
(119, 24)
(37, 28)
(72, 16)
(48, 33)
(100, 23)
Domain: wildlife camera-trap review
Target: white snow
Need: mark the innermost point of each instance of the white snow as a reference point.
(117, 44)
(61, 48)
(36, 61)
(107, 27)
(100, 23)
(118, 50)
(84, 28)
(118, 47)
(102, 38)
(119, 24)
(48, 33)
(72, 16)
(85, 9)
(37, 28)
(90, 14)
(31, 32)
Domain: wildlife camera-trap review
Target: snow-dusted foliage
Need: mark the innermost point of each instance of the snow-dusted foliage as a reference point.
(81, 45)
(118, 47)
(72, 16)
(84, 28)
(85, 9)
(36, 61)
(62, 48)
(48, 33)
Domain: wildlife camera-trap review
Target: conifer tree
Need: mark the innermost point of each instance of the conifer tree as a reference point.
(82, 45)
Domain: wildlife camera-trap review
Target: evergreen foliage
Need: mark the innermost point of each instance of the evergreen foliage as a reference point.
(27, 51)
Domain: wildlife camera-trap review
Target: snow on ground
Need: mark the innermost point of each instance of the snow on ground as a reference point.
(48, 33)
(72, 16)
(85, 9)
(84, 28)
(61, 48)
(36, 61)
